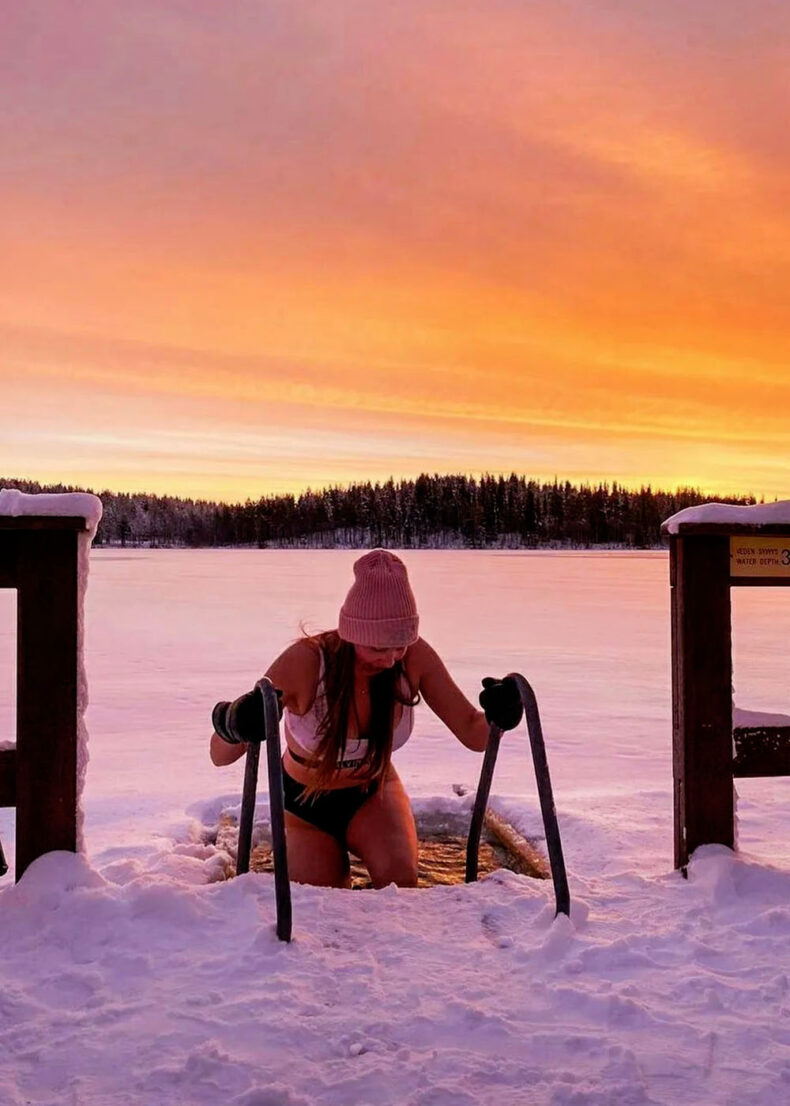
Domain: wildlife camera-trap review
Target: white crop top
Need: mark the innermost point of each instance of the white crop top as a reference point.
(303, 728)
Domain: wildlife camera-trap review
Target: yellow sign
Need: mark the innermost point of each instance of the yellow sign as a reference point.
(767, 556)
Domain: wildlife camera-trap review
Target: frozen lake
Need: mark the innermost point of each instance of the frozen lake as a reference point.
(171, 631)
(149, 977)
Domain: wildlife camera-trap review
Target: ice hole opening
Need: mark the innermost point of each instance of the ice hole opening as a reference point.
(442, 840)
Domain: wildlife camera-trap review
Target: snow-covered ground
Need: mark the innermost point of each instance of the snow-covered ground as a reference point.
(138, 976)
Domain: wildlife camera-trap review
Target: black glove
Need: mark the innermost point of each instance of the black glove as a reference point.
(242, 720)
(501, 702)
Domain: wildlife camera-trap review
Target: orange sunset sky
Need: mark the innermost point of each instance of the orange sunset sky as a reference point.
(249, 246)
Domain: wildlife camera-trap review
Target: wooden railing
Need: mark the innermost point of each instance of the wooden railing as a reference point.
(39, 558)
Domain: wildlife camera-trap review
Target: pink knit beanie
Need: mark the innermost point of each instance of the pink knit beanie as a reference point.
(379, 610)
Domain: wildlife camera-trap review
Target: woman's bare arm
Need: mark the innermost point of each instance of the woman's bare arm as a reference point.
(446, 699)
(222, 753)
(295, 673)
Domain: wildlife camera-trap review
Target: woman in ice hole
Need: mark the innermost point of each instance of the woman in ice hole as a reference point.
(348, 698)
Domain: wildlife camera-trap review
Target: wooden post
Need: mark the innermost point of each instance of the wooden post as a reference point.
(47, 657)
(702, 692)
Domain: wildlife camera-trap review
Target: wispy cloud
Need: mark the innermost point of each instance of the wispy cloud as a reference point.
(542, 236)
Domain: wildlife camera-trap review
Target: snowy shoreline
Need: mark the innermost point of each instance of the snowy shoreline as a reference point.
(549, 547)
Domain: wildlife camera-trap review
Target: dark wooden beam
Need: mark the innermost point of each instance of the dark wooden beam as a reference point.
(759, 581)
(761, 751)
(42, 522)
(46, 734)
(8, 559)
(702, 692)
(7, 777)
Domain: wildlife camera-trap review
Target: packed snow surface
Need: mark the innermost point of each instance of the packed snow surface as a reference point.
(137, 975)
(729, 514)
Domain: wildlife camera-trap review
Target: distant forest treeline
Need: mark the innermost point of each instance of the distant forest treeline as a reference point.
(430, 512)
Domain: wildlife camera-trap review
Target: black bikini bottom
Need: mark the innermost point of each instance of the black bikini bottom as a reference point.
(330, 811)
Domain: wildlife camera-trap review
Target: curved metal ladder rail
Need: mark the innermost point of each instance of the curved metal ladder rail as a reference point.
(545, 794)
(271, 735)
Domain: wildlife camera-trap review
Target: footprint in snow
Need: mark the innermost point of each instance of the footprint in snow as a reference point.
(492, 930)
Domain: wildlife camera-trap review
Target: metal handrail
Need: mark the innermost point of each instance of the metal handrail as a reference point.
(271, 735)
(545, 794)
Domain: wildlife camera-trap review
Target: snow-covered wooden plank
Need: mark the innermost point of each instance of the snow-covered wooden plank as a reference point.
(532, 862)
(717, 518)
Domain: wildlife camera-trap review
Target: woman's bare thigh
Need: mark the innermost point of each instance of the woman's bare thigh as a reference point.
(383, 834)
(315, 856)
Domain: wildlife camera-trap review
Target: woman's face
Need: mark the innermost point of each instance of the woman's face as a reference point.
(376, 660)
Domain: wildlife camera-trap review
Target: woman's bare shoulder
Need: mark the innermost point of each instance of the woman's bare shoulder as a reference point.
(420, 658)
(295, 672)
(421, 651)
(304, 650)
